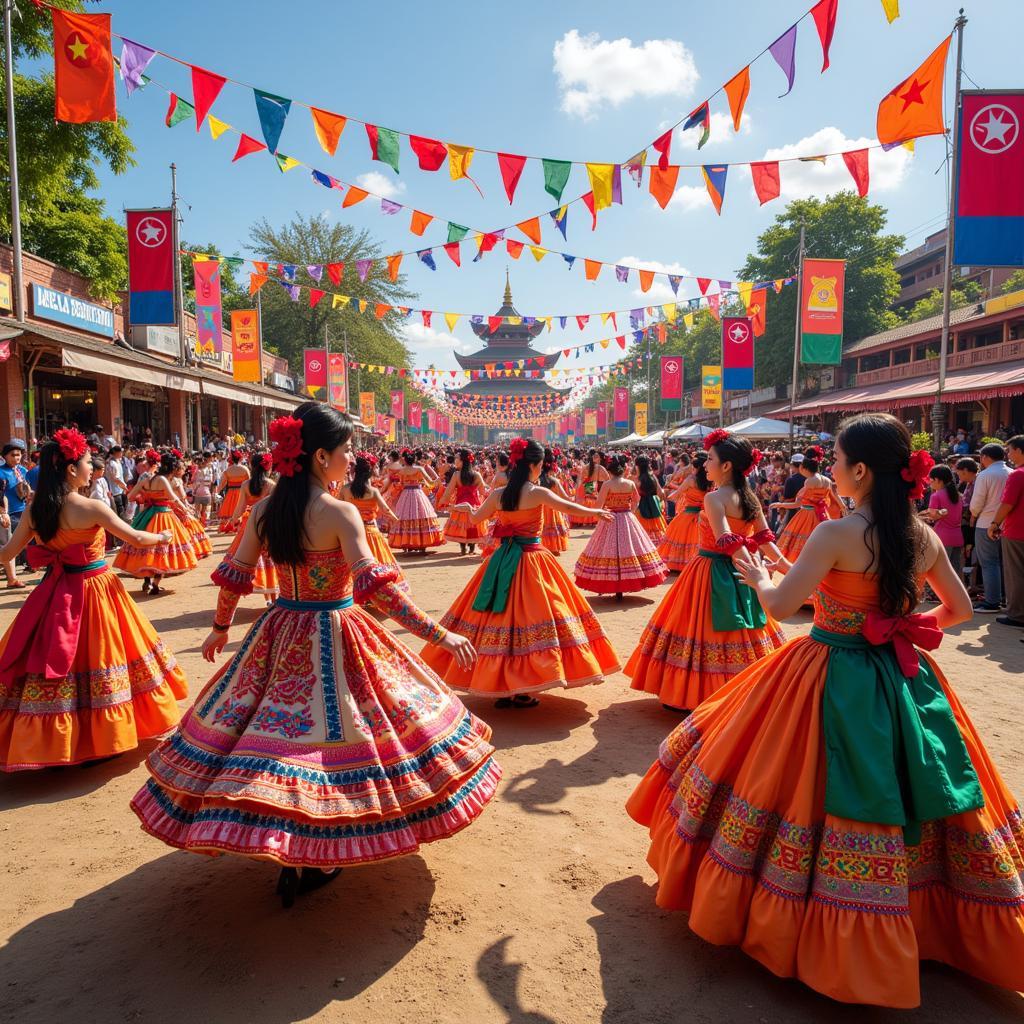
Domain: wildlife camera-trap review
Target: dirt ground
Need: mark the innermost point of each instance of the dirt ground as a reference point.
(541, 913)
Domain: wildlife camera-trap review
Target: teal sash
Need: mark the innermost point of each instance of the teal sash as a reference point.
(144, 516)
(313, 606)
(894, 754)
(734, 605)
(693, 509)
(649, 507)
(501, 569)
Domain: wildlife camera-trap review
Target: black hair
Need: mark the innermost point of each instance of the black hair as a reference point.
(616, 465)
(258, 471)
(1017, 441)
(700, 472)
(282, 527)
(945, 475)
(51, 490)
(168, 464)
(533, 455)
(882, 443)
(467, 472)
(811, 459)
(503, 460)
(97, 463)
(996, 452)
(968, 465)
(546, 479)
(235, 457)
(409, 457)
(361, 474)
(393, 455)
(646, 483)
(740, 453)
(591, 471)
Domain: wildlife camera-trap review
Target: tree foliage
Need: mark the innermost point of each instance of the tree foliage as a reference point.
(1014, 283)
(963, 293)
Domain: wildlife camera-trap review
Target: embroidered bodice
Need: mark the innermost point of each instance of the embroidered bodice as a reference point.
(706, 536)
(843, 599)
(325, 576)
(618, 501)
(367, 508)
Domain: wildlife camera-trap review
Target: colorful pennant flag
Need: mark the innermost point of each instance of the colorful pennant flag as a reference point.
(246, 145)
(383, 145)
(784, 52)
(206, 87)
(701, 116)
(663, 146)
(737, 89)
(914, 108)
(135, 58)
(511, 167)
(179, 110)
(430, 153)
(272, 111)
(328, 128)
(824, 15)
(714, 181)
(766, 180)
(83, 67)
(857, 163)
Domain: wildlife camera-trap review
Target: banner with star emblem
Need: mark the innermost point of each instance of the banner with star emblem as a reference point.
(737, 353)
(209, 314)
(989, 212)
(914, 108)
(83, 68)
(150, 268)
(671, 383)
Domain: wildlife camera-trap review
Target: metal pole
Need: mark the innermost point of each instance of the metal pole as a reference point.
(12, 159)
(344, 344)
(179, 288)
(796, 337)
(938, 411)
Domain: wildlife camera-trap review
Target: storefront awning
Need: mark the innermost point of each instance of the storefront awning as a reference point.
(95, 363)
(232, 394)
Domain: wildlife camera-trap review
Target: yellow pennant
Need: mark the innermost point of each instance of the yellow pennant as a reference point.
(670, 312)
(892, 9)
(459, 159)
(217, 127)
(451, 319)
(745, 288)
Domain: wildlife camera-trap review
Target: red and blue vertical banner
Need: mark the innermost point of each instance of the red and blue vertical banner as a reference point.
(621, 407)
(989, 210)
(737, 353)
(314, 361)
(209, 316)
(398, 404)
(671, 383)
(602, 418)
(337, 388)
(415, 416)
(150, 268)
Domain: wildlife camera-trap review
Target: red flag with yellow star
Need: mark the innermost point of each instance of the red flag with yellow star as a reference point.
(83, 67)
(914, 107)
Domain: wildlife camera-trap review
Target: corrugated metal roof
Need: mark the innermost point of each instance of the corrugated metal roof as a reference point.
(919, 327)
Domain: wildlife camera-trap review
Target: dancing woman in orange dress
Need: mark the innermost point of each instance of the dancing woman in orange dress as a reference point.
(254, 490)
(498, 480)
(201, 543)
(817, 502)
(832, 810)
(708, 627)
(679, 545)
(323, 741)
(83, 674)
(417, 527)
(230, 484)
(591, 477)
(532, 628)
(555, 530)
(465, 488)
(372, 506)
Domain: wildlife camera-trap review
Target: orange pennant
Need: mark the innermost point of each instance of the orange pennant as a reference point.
(353, 196)
(419, 222)
(663, 183)
(914, 107)
(646, 280)
(592, 268)
(394, 262)
(531, 228)
(738, 89)
(514, 248)
(328, 128)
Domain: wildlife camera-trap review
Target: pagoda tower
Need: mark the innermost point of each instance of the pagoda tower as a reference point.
(503, 349)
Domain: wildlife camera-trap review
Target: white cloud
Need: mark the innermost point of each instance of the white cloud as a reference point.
(721, 131)
(660, 291)
(688, 198)
(799, 180)
(379, 185)
(593, 71)
(433, 346)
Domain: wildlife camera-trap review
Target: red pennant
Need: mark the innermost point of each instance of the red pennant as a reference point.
(663, 145)
(588, 201)
(430, 153)
(315, 295)
(857, 164)
(206, 87)
(703, 283)
(766, 180)
(824, 14)
(582, 321)
(494, 322)
(246, 145)
(426, 314)
(511, 167)
(621, 341)
(452, 248)
(334, 272)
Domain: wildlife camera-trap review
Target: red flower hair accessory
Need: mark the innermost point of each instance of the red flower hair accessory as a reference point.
(469, 459)
(177, 453)
(755, 460)
(916, 473)
(152, 455)
(817, 450)
(259, 460)
(714, 437)
(286, 435)
(516, 450)
(72, 443)
(370, 460)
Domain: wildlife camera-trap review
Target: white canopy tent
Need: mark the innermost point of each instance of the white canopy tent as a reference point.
(757, 427)
(655, 440)
(694, 432)
(628, 439)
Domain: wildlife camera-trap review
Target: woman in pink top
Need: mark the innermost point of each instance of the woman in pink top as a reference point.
(945, 510)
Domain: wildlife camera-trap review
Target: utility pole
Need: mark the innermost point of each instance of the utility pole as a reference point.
(938, 410)
(796, 336)
(184, 354)
(18, 277)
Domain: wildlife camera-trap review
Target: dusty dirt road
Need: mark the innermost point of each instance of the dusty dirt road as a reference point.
(541, 913)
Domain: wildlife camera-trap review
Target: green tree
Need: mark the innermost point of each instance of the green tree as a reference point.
(289, 327)
(963, 293)
(1014, 283)
(57, 166)
(843, 226)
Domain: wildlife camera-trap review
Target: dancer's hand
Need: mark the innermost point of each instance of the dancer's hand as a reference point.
(214, 643)
(752, 570)
(460, 648)
(603, 513)
(780, 565)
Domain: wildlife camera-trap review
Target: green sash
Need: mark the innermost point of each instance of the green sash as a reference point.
(693, 509)
(894, 754)
(734, 605)
(144, 516)
(589, 486)
(501, 569)
(649, 507)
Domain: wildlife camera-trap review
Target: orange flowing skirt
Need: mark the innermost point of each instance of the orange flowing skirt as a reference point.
(679, 545)
(265, 580)
(172, 559)
(795, 533)
(381, 551)
(548, 636)
(555, 531)
(740, 839)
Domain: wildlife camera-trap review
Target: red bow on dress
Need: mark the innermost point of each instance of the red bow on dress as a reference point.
(52, 614)
(905, 632)
(821, 510)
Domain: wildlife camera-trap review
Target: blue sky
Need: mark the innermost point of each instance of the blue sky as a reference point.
(570, 80)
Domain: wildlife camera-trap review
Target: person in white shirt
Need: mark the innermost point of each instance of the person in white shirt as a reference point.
(202, 487)
(114, 474)
(988, 491)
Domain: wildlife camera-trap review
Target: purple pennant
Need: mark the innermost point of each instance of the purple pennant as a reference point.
(636, 317)
(784, 52)
(724, 286)
(617, 185)
(135, 59)
(476, 318)
(315, 271)
(674, 279)
(291, 289)
(621, 273)
(323, 179)
(389, 206)
(529, 321)
(363, 268)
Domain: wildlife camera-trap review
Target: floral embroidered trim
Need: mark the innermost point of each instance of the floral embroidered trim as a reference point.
(234, 576)
(368, 577)
(764, 536)
(730, 543)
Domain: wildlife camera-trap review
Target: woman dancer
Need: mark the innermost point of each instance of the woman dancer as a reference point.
(590, 480)
(532, 628)
(83, 674)
(372, 506)
(555, 529)
(161, 512)
(465, 488)
(499, 478)
(817, 502)
(201, 543)
(679, 545)
(230, 485)
(417, 527)
(619, 557)
(255, 489)
(708, 627)
(833, 810)
(650, 511)
(324, 741)
(391, 486)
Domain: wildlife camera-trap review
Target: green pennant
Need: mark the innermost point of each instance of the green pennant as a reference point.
(387, 147)
(178, 111)
(556, 174)
(456, 232)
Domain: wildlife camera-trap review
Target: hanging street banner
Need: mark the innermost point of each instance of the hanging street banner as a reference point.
(209, 315)
(640, 418)
(821, 311)
(711, 387)
(245, 345)
(398, 405)
(150, 268)
(589, 422)
(314, 361)
(602, 418)
(989, 210)
(621, 407)
(415, 415)
(737, 353)
(367, 408)
(337, 389)
(671, 383)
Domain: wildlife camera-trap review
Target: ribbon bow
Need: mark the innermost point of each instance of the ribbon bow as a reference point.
(820, 510)
(905, 633)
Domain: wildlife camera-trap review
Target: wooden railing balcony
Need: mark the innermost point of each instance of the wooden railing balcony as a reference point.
(972, 357)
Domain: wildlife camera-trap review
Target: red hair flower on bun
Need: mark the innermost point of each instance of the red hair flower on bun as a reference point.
(516, 450)
(714, 437)
(286, 435)
(152, 455)
(755, 460)
(916, 473)
(72, 443)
